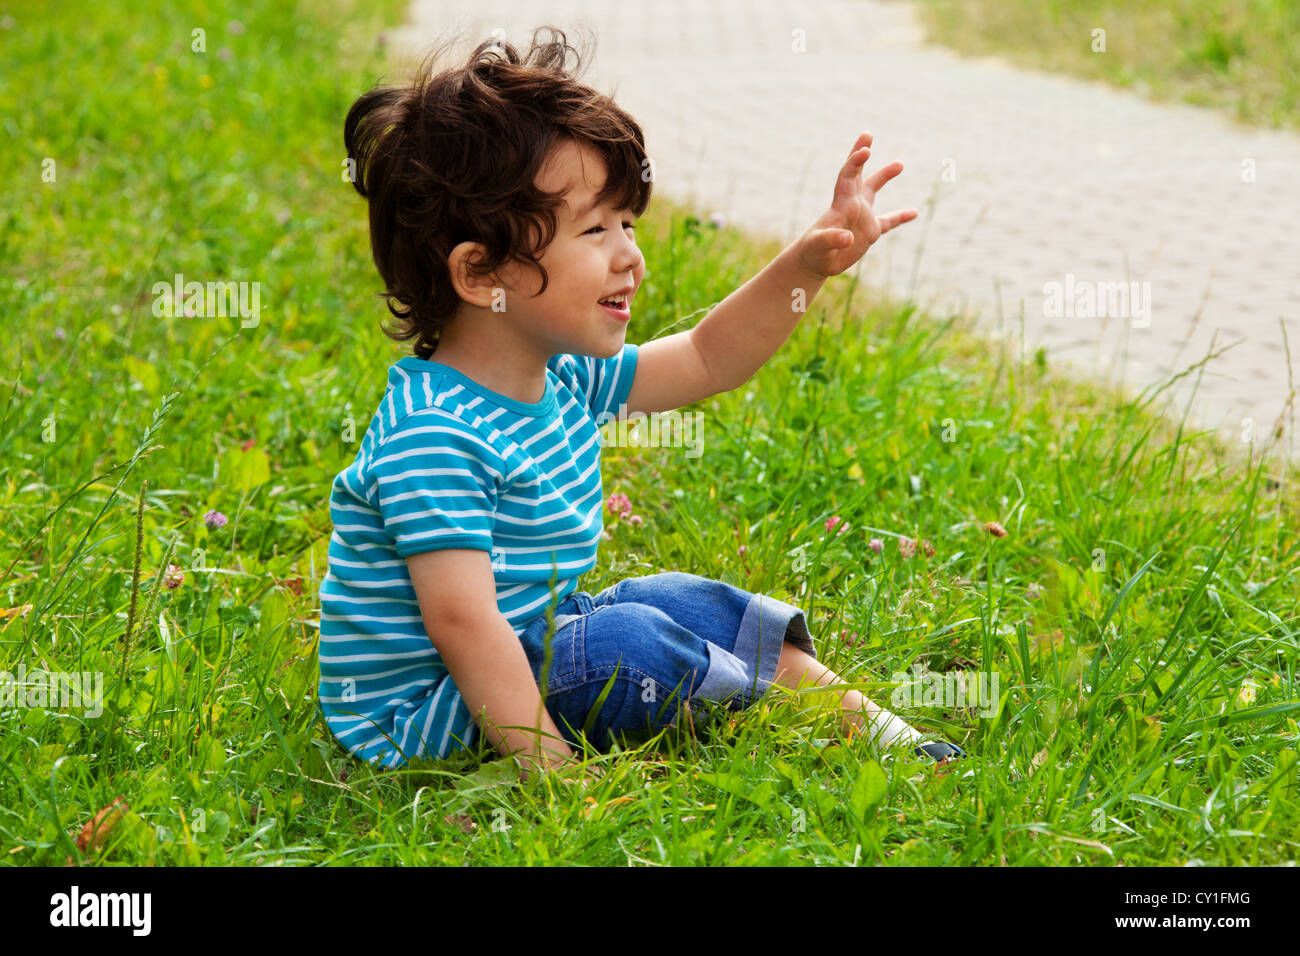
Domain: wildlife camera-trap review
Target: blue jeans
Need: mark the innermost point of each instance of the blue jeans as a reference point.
(657, 641)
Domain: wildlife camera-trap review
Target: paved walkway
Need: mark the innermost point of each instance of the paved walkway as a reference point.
(1035, 179)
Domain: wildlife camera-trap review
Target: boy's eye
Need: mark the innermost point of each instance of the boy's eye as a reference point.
(626, 225)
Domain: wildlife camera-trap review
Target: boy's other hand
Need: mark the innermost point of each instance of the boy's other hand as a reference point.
(568, 770)
(844, 232)
(582, 776)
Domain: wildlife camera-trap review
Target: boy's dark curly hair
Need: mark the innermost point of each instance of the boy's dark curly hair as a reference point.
(452, 157)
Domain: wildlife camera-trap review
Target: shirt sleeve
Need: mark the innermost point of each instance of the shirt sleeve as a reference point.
(435, 482)
(606, 383)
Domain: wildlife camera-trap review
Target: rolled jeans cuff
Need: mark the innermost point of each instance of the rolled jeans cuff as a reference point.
(747, 673)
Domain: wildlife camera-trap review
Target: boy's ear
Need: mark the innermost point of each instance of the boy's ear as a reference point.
(471, 287)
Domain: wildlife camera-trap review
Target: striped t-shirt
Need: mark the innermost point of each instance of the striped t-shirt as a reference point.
(447, 463)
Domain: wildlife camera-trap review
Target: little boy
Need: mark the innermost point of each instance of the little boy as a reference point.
(503, 197)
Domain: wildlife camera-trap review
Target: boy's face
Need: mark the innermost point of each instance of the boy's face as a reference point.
(592, 257)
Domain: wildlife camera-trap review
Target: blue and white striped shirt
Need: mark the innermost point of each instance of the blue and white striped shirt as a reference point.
(447, 463)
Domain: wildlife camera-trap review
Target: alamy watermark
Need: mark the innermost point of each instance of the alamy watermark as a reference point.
(1086, 299)
(75, 908)
(926, 688)
(212, 300)
(672, 429)
(54, 690)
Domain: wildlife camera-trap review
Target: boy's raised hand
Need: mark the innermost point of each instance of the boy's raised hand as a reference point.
(845, 231)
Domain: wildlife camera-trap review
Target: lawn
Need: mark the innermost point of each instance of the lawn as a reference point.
(1237, 55)
(1137, 622)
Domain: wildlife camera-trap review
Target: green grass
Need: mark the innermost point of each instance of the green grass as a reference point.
(1147, 572)
(1238, 55)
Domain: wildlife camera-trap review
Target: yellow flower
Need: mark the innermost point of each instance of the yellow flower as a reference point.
(595, 809)
(1246, 695)
(205, 81)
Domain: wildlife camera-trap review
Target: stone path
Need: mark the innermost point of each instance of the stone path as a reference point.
(1024, 180)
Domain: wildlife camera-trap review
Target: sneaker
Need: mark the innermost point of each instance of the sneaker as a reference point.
(939, 751)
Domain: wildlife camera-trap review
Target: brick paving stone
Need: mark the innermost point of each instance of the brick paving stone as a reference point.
(1053, 175)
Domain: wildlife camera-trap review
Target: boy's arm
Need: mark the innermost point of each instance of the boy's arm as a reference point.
(729, 345)
(487, 663)
(733, 341)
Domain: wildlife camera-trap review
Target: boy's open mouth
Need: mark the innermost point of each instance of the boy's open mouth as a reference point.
(617, 305)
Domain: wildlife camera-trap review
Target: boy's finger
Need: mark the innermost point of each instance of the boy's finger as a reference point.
(862, 142)
(883, 175)
(857, 159)
(895, 219)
